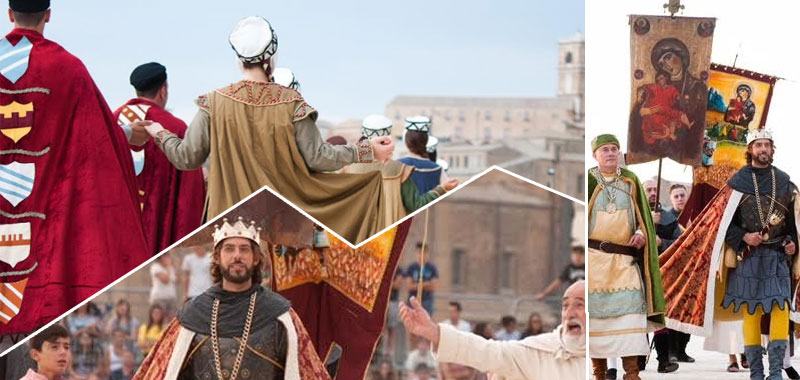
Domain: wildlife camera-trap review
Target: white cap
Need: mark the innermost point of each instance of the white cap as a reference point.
(443, 164)
(376, 126)
(431, 145)
(253, 40)
(761, 134)
(285, 78)
(418, 123)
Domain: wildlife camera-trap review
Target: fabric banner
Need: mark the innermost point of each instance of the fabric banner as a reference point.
(341, 294)
(686, 272)
(670, 60)
(738, 103)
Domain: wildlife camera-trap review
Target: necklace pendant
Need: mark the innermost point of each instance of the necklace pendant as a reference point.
(765, 236)
(611, 208)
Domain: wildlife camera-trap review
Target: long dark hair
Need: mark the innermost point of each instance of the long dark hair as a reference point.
(127, 316)
(258, 268)
(150, 321)
(749, 156)
(416, 142)
(529, 330)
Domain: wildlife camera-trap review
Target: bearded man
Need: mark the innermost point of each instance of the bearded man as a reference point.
(236, 329)
(560, 354)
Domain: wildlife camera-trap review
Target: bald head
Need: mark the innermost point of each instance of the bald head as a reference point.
(651, 189)
(573, 309)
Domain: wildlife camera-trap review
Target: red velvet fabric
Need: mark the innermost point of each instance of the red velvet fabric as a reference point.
(331, 317)
(84, 184)
(173, 199)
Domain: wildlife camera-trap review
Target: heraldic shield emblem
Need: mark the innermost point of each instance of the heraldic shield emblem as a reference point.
(14, 58)
(15, 242)
(16, 181)
(16, 120)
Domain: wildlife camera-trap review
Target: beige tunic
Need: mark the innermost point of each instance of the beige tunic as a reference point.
(262, 134)
(540, 357)
(394, 174)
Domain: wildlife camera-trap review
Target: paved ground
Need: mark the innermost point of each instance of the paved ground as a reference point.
(709, 365)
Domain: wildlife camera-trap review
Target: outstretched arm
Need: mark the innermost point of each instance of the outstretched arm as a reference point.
(549, 289)
(322, 157)
(508, 359)
(412, 201)
(191, 151)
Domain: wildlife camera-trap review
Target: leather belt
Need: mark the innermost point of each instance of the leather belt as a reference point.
(609, 247)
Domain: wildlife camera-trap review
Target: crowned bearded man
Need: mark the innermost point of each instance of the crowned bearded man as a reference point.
(735, 259)
(237, 329)
(259, 133)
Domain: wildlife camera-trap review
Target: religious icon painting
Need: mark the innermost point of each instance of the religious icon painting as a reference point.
(670, 59)
(738, 103)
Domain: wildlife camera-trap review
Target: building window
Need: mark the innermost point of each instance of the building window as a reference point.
(458, 161)
(487, 133)
(397, 115)
(461, 116)
(450, 161)
(568, 58)
(447, 115)
(507, 116)
(466, 162)
(506, 133)
(527, 116)
(506, 270)
(459, 132)
(580, 184)
(488, 115)
(459, 264)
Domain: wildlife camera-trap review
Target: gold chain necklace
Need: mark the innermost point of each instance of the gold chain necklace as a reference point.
(761, 217)
(245, 334)
(609, 188)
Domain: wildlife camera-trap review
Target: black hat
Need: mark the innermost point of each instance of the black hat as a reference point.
(149, 76)
(29, 6)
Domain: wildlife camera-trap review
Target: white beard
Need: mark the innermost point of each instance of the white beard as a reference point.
(574, 343)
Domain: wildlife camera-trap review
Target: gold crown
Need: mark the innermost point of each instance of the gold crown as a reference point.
(238, 229)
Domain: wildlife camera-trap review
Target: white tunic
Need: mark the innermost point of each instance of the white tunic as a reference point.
(533, 358)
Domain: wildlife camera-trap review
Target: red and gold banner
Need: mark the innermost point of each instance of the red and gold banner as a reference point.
(341, 294)
(738, 104)
(670, 59)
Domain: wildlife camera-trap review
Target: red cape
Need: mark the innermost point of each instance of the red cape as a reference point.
(171, 200)
(87, 232)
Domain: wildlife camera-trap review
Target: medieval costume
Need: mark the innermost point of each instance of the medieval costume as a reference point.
(69, 217)
(261, 133)
(401, 194)
(234, 335)
(543, 356)
(711, 274)
(625, 295)
(285, 78)
(427, 173)
(171, 200)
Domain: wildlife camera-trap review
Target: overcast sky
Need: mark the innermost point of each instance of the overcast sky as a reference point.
(350, 57)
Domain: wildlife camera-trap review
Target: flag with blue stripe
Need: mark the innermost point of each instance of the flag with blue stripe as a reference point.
(14, 58)
(16, 181)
